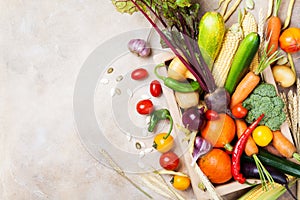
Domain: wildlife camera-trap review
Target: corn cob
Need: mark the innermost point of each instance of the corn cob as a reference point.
(258, 191)
(274, 191)
(249, 25)
(229, 46)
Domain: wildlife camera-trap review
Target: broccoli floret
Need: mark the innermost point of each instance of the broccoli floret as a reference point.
(264, 99)
(277, 101)
(274, 123)
(265, 90)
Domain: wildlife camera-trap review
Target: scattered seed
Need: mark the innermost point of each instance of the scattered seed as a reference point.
(115, 91)
(201, 186)
(104, 81)
(119, 78)
(110, 70)
(138, 145)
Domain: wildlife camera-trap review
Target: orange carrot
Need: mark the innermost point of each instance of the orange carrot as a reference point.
(283, 145)
(273, 29)
(244, 88)
(251, 148)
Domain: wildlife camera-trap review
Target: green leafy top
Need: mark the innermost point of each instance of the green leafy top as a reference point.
(126, 6)
(167, 11)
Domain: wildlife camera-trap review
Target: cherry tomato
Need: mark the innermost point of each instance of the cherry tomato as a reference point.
(139, 74)
(239, 111)
(145, 107)
(155, 88)
(262, 135)
(211, 115)
(181, 182)
(161, 144)
(169, 161)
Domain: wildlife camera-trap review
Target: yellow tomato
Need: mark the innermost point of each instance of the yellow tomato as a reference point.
(262, 135)
(161, 144)
(181, 182)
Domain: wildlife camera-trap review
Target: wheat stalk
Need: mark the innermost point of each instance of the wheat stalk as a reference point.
(158, 184)
(116, 168)
(285, 108)
(292, 110)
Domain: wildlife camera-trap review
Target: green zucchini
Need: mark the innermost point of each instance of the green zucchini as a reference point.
(242, 60)
(279, 163)
(210, 36)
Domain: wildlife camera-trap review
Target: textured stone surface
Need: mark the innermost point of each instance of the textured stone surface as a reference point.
(43, 46)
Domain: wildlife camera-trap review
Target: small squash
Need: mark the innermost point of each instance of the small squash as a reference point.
(210, 36)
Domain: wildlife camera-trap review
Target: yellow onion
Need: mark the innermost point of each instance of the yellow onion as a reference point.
(178, 71)
(283, 75)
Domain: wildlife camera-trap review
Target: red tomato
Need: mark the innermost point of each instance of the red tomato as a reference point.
(211, 115)
(239, 111)
(169, 161)
(155, 88)
(139, 74)
(289, 40)
(144, 107)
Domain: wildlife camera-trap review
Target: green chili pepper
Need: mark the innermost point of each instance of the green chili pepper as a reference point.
(176, 85)
(158, 115)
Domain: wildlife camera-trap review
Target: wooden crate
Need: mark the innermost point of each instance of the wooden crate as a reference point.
(194, 171)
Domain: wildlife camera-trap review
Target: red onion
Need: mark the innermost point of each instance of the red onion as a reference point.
(139, 47)
(193, 118)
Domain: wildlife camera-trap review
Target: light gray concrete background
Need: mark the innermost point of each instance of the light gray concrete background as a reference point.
(43, 46)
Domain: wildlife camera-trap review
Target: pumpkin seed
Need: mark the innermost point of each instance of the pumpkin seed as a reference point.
(119, 78)
(110, 70)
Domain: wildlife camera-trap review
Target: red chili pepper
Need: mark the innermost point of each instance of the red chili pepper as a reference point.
(239, 149)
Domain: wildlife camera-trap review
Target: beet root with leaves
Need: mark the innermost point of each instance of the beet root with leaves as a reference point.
(180, 20)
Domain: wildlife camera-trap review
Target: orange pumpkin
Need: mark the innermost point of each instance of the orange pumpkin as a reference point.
(289, 40)
(219, 132)
(216, 165)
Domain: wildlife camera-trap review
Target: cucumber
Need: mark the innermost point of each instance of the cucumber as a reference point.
(210, 36)
(282, 164)
(242, 60)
